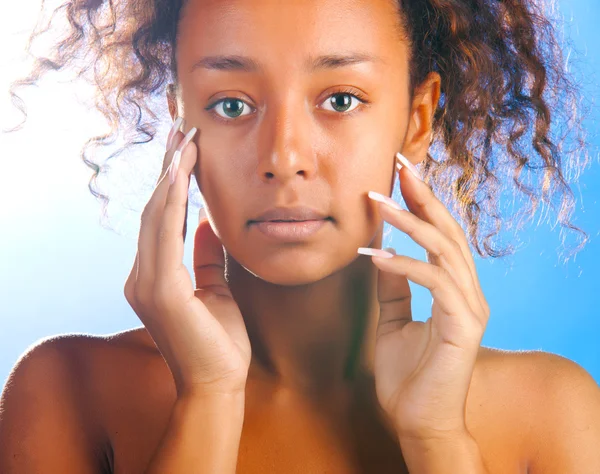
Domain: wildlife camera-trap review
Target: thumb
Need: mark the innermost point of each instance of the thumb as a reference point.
(393, 293)
(209, 260)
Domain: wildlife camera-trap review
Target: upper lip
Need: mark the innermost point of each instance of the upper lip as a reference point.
(301, 213)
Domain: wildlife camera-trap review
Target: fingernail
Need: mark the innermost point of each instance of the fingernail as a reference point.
(173, 131)
(384, 199)
(390, 250)
(177, 155)
(202, 214)
(374, 252)
(404, 162)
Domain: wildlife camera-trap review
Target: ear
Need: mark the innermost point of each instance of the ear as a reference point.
(420, 126)
(172, 101)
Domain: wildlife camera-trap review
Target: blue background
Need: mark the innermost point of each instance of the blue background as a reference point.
(63, 273)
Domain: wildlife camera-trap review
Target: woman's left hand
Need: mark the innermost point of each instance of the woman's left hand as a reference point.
(423, 370)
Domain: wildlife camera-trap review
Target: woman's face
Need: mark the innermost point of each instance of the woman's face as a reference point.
(293, 131)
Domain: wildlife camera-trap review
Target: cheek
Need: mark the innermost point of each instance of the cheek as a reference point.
(221, 196)
(219, 167)
(360, 220)
(371, 171)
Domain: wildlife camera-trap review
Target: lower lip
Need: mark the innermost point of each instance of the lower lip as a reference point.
(290, 231)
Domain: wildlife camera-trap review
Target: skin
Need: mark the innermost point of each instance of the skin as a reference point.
(290, 147)
(311, 308)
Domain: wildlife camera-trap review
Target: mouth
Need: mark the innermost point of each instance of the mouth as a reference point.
(290, 214)
(290, 230)
(294, 220)
(290, 224)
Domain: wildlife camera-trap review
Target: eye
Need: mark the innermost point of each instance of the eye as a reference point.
(232, 107)
(341, 101)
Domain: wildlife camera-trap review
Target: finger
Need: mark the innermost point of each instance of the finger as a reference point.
(177, 138)
(170, 269)
(421, 200)
(150, 219)
(209, 261)
(458, 314)
(166, 164)
(209, 272)
(447, 252)
(171, 145)
(393, 293)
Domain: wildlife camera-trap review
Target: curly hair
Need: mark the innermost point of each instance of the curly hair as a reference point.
(508, 103)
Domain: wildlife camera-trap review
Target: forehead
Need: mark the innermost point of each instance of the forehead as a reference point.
(288, 32)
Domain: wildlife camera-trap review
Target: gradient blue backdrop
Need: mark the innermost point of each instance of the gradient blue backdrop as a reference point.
(62, 273)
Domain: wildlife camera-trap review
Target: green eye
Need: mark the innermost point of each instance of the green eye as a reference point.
(343, 104)
(232, 107)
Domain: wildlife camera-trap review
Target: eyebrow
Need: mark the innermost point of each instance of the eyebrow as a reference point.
(246, 64)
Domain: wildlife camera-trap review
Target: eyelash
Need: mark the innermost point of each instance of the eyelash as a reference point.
(351, 92)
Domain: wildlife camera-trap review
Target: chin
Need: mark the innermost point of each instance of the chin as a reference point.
(292, 267)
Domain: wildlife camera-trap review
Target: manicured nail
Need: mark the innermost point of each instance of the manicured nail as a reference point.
(173, 131)
(384, 199)
(404, 162)
(374, 252)
(177, 155)
(390, 250)
(202, 214)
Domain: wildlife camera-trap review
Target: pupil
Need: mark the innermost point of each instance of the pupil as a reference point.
(229, 109)
(344, 103)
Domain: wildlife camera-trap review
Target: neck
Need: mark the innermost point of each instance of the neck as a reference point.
(316, 338)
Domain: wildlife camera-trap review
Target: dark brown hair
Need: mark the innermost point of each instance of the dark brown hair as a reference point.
(508, 103)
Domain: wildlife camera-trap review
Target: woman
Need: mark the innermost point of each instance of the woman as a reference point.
(292, 352)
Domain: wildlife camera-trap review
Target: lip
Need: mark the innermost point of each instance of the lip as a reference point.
(291, 231)
(295, 214)
(290, 224)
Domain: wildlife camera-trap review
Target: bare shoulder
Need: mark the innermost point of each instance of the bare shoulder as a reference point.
(119, 368)
(44, 422)
(107, 396)
(540, 406)
(84, 363)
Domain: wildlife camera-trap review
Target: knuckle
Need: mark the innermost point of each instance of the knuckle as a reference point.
(421, 201)
(478, 327)
(442, 251)
(142, 297)
(411, 231)
(486, 309)
(129, 292)
(441, 274)
(455, 246)
(448, 249)
(412, 264)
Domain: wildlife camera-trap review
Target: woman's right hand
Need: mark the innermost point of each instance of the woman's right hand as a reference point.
(199, 332)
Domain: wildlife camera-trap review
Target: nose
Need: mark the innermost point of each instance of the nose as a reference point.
(287, 152)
